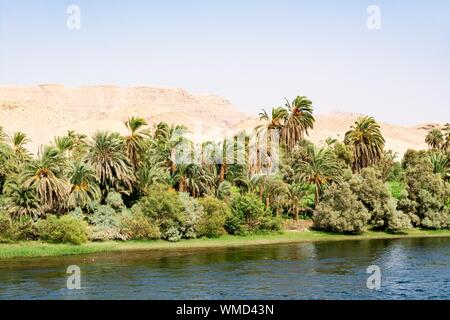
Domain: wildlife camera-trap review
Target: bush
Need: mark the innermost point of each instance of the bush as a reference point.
(138, 227)
(426, 192)
(341, 211)
(172, 234)
(376, 197)
(66, 229)
(212, 223)
(5, 226)
(397, 188)
(249, 215)
(103, 216)
(193, 213)
(164, 209)
(115, 201)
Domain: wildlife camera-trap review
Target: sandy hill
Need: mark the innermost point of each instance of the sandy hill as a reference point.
(48, 110)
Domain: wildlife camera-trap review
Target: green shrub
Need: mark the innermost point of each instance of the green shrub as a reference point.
(115, 201)
(5, 226)
(66, 229)
(426, 192)
(172, 234)
(212, 223)
(376, 197)
(138, 227)
(103, 216)
(163, 207)
(341, 211)
(193, 213)
(249, 215)
(397, 189)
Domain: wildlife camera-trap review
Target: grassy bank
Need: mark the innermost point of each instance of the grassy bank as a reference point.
(41, 249)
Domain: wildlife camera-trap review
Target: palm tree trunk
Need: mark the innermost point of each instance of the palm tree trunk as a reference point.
(222, 173)
(267, 202)
(182, 184)
(316, 197)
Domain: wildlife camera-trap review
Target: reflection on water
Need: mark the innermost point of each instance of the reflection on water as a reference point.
(411, 269)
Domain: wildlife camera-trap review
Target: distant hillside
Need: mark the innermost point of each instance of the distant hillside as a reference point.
(48, 110)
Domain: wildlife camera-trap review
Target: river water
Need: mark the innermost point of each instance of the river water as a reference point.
(409, 269)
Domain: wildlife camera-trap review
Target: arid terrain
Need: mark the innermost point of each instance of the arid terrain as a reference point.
(45, 111)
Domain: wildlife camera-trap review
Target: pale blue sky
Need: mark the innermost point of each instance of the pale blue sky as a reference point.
(253, 53)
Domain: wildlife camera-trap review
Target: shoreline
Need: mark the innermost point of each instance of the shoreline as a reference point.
(37, 249)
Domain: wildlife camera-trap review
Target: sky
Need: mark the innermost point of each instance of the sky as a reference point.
(251, 52)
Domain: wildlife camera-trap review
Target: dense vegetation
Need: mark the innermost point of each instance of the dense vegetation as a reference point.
(114, 187)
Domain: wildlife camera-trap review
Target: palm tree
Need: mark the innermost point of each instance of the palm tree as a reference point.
(331, 142)
(275, 121)
(165, 141)
(366, 141)
(22, 201)
(3, 135)
(45, 175)
(294, 197)
(435, 139)
(152, 171)
(79, 148)
(320, 171)
(276, 192)
(111, 165)
(441, 164)
(83, 185)
(133, 142)
(64, 144)
(18, 141)
(194, 179)
(299, 121)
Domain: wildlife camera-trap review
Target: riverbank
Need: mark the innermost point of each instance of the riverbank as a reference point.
(41, 249)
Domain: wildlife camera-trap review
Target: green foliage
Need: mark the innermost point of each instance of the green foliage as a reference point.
(426, 192)
(193, 213)
(5, 226)
(115, 201)
(248, 216)
(65, 229)
(366, 141)
(341, 211)
(376, 197)
(216, 213)
(164, 209)
(138, 227)
(397, 189)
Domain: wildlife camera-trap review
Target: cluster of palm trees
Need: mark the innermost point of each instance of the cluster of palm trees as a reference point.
(76, 170)
(439, 144)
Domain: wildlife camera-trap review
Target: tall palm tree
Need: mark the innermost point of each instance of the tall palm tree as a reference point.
(165, 141)
(299, 121)
(84, 186)
(435, 139)
(366, 141)
(111, 165)
(320, 170)
(274, 121)
(45, 175)
(133, 142)
(18, 141)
